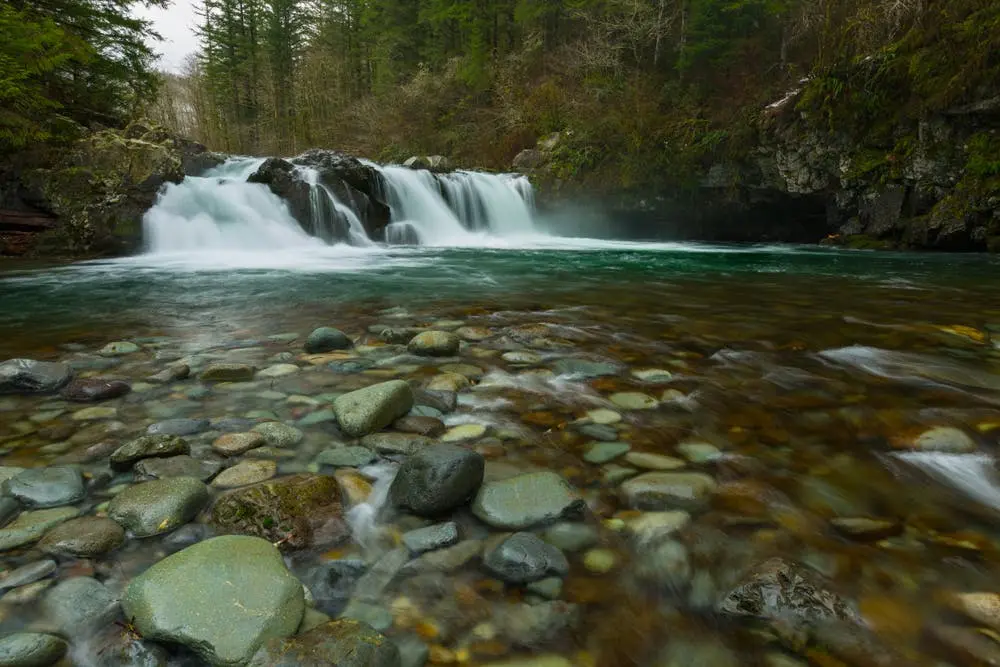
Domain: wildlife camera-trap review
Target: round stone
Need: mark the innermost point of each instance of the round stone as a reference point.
(652, 375)
(228, 373)
(245, 473)
(699, 452)
(118, 349)
(234, 444)
(945, 439)
(464, 432)
(633, 400)
(86, 390)
(435, 344)
(46, 487)
(177, 466)
(522, 358)
(571, 537)
(28, 376)
(667, 490)
(160, 506)
(448, 382)
(604, 416)
(437, 479)
(148, 446)
(85, 537)
(277, 434)
(602, 452)
(31, 649)
(600, 561)
(346, 457)
(474, 334)
(278, 371)
(425, 426)
(327, 339)
(647, 461)
(523, 558)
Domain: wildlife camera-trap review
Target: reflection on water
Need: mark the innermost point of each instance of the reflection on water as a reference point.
(835, 410)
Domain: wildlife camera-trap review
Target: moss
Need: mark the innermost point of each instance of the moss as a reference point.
(865, 242)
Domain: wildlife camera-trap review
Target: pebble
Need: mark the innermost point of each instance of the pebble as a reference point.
(571, 537)
(84, 537)
(279, 435)
(371, 409)
(178, 426)
(430, 538)
(425, 426)
(326, 339)
(157, 507)
(526, 500)
(277, 371)
(614, 475)
(699, 452)
(466, 370)
(603, 416)
(865, 529)
(148, 446)
(234, 444)
(647, 461)
(435, 344)
(28, 574)
(474, 334)
(464, 432)
(27, 594)
(177, 466)
(523, 558)
(980, 607)
(652, 375)
(346, 457)
(633, 400)
(79, 605)
(945, 439)
(600, 561)
(94, 389)
(448, 382)
(602, 452)
(667, 490)
(95, 413)
(29, 527)
(549, 588)
(522, 358)
(652, 527)
(395, 444)
(228, 373)
(245, 473)
(54, 486)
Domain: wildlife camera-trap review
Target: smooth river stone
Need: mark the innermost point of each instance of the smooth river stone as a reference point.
(177, 466)
(223, 598)
(648, 461)
(278, 371)
(27, 376)
(435, 344)
(427, 539)
(277, 434)
(346, 457)
(28, 574)
(526, 500)
(29, 527)
(667, 490)
(437, 479)
(945, 439)
(95, 413)
(633, 400)
(584, 369)
(371, 409)
(234, 444)
(448, 382)
(699, 452)
(245, 473)
(522, 357)
(31, 649)
(474, 334)
(85, 537)
(118, 349)
(46, 487)
(178, 426)
(395, 444)
(425, 426)
(327, 339)
(148, 446)
(228, 373)
(86, 390)
(345, 642)
(78, 606)
(603, 416)
(523, 558)
(602, 452)
(464, 432)
(652, 375)
(160, 506)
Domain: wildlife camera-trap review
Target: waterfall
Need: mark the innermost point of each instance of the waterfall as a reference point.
(222, 211)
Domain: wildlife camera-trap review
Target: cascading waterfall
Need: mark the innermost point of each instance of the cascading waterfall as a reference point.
(222, 211)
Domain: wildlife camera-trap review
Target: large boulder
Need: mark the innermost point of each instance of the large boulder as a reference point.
(27, 376)
(344, 642)
(437, 480)
(298, 511)
(223, 598)
(284, 180)
(373, 408)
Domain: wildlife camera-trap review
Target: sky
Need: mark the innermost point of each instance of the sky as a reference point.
(176, 24)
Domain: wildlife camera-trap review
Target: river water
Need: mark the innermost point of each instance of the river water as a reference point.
(799, 380)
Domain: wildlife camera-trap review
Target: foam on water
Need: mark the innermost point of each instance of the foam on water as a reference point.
(972, 474)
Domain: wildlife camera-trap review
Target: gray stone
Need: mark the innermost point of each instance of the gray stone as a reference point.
(178, 427)
(667, 490)
(31, 649)
(119, 349)
(85, 390)
(177, 466)
(395, 444)
(445, 560)
(549, 588)
(699, 452)
(46, 487)
(523, 558)
(223, 598)
(526, 500)
(427, 539)
(346, 457)
(376, 616)
(28, 574)
(85, 537)
(380, 576)
(157, 507)
(435, 344)
(652, 527)
(412, 651)
(373, 408)
(27, 376)
(344, 643)
(172, 373)
(277, 434)
(148, 446)
(425, 426)
(666, 564)
(535, 625)
(228, 373)
(602, 452)
(232, 424)
(9, 508)
(245, 473)
(584, 368)
(29, 527)
(78, 606)
(327, 339)
(571, 537)
(437, 479)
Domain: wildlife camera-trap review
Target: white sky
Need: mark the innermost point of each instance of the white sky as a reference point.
(176, 24)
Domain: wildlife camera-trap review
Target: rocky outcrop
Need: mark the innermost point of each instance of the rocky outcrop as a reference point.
(88, 198)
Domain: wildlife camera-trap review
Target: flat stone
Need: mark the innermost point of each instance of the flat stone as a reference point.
(466, 370)
(235, 444)
(327, 339)
(667, 490)
(28, 574)
(31, 649)
(633, 400)
(604, 416)
(426, 426)
(318, 417)
(464, 432)
(177, 466)
(584, 369)
(526, 500)
(160, 506)
(231, 424)
(28, 594)
(9, 508)
(445, 560)
(602, 452)
(54, 486)
(95, 413)
(245, 473)
(981, 607)
(178, 427)
(78, 606)
(965, 646)
(277, 371)
(652, 375)
(372, 586)
(371, 409)
(522, 358)
(600, 561)
(223, 598)
(570, 536)
(119, 349)
(427, 539)
(474, 334)
(148, 446)
(87, 390)
(945, 439)
(864, 529)
(84, 537)
(549, 588)
(523, 558)
(599, 432)
(228, 373)
(652, 527)
(426, 411)
(172, 373)
(699, 452)
(435, 344)
(647, 461)
(437, 479)
(277, 434)
(395, 444)
(346, 457)
(375, 616)
(345, 642)
(29, 527)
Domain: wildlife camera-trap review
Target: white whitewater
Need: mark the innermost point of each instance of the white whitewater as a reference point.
(972, 474)
(221, 211)
(327, 210)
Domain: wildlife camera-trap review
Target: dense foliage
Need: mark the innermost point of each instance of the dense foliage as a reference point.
(69, 62)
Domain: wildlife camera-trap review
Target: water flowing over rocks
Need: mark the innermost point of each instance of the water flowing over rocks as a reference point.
(223, 598)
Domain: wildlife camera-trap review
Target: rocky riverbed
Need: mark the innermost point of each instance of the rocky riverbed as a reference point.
(482, 486)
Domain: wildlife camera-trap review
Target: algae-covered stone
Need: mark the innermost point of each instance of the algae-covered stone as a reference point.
(148, 446)
(526, 500)
(300, 511)
(373, 408)
(222, 598)
(157, 507)
(344, 643)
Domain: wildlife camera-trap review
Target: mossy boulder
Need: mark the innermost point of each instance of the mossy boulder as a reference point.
(299, 511)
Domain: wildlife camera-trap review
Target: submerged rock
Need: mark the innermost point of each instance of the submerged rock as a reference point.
(160, 506)
(346, 457)
(78, 606)
(246, 473)
(523, 558)
(148, 446)
(228, 373)
(27, 376)
(327, 339)
(534, 625)
(344, 643)
(86, 390)
(223, 598)
(46, 487)
(301, 510)
(277, 434)
(373, 408)
(177, 466)
(31, 649)
(945, 439)
(435, 344)
(27, 574)
(234, 444)
(29, 527)
(526, 500)
(85, 537)
(119, 349)
(667, 490)
(178, 427)
(437, 479)
(427, 539)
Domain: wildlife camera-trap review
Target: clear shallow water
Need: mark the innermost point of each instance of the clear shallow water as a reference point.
(811, 370)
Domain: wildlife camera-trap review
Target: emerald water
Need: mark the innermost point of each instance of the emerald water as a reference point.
(844, 408)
